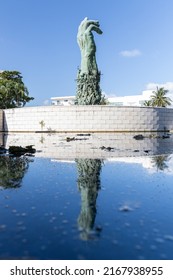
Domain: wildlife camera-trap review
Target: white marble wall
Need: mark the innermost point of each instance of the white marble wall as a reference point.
(87, 119)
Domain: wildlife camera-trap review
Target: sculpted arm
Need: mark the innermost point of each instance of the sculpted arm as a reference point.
(87, 45)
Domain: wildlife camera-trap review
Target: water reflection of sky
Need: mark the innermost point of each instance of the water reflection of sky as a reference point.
(89, 209)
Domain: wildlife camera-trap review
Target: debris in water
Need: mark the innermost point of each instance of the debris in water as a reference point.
(139, 137)
(125, 208)
(19, 151)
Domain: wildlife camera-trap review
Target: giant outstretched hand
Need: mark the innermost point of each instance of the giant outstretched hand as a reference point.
(87, 45)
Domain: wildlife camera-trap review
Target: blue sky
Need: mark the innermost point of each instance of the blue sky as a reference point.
(135, 51)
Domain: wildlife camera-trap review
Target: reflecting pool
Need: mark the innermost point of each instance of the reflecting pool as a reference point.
(87, 197)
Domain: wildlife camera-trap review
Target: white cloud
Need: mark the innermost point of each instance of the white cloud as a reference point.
(131, 53)
(167, 85)
(107, 95)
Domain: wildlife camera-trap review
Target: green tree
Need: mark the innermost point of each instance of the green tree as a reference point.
(104, 100)
(13, 92)
(147, 103)
(12, 171)
(159, 98)
(160, 162)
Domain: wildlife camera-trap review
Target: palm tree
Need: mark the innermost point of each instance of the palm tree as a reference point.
(147, 103)
(160, 161)
(159, 98)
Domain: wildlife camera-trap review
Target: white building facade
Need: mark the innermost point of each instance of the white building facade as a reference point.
(131, 100)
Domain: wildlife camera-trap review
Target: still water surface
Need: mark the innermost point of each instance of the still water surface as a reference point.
(86, 208)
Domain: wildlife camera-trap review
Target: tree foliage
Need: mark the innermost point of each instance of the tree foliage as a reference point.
(160, 162)
(12, 171)
(104, 100)
(159, 98)
(13, 92)
(147, 103)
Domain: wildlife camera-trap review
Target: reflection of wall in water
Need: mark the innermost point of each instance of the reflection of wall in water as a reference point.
(88, 184)
(123, 144)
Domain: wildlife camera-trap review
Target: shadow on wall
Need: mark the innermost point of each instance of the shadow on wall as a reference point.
(1, 120)
(4, 122)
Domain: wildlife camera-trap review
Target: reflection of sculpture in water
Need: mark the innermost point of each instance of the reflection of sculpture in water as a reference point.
(12, 171)
(88, 88)
(88, 184)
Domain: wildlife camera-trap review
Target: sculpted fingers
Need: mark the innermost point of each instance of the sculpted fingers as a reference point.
(94, 27)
